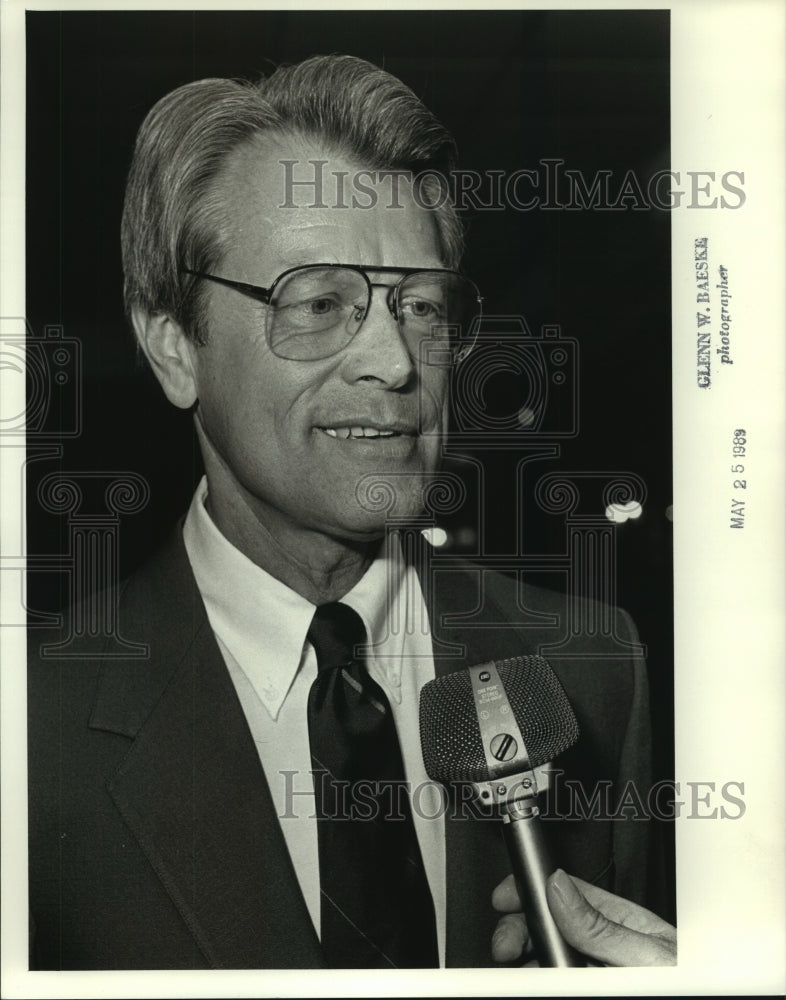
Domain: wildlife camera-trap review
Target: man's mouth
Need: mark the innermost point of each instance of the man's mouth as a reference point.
(360, 432)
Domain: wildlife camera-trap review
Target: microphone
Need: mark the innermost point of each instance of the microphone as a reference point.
(491, 726)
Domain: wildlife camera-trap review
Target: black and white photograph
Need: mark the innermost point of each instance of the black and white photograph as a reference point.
(380, 374)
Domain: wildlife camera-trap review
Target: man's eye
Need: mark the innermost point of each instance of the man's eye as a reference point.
(421, 308)
(312, 305)
(322, 306)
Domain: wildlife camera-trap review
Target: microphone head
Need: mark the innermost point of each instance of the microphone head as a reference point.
(449, 729)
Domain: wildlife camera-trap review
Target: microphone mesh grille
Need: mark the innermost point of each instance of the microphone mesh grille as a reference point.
(449, 730)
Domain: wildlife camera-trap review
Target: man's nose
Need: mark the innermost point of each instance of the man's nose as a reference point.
(378, 351)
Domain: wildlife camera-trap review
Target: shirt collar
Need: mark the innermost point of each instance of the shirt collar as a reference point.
(262, 623)
(380, 598)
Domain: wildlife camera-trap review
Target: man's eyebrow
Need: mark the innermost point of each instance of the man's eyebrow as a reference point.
(300, 258)
(286, 263)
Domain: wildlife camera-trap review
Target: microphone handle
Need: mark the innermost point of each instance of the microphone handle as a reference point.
(532, 865)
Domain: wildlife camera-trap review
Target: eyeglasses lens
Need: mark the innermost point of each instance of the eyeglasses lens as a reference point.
(318, 310)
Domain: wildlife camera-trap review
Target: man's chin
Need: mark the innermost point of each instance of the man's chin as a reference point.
(391, 497)
(369, 518)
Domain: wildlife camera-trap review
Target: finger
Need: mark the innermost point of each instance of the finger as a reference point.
(511, 938)
(621, 910)
(505, 897)
(594, 934)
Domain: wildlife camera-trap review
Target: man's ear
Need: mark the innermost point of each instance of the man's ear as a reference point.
(170, 354)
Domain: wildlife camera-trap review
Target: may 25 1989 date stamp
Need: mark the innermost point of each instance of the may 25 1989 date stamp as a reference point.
(738, 451)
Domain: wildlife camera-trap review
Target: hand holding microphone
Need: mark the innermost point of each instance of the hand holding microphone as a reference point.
(493, 726)
(607, 928)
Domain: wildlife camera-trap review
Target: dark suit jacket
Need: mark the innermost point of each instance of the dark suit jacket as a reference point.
(153, 838)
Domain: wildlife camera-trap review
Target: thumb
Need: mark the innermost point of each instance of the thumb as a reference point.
(595, 935)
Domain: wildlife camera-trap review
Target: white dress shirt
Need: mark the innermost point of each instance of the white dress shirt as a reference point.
(260, 627)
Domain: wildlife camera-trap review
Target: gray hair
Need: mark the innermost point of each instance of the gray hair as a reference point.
(173, 218)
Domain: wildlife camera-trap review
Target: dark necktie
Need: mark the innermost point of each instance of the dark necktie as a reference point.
(376, 907)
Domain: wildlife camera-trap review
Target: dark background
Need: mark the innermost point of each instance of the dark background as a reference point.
(590, 88)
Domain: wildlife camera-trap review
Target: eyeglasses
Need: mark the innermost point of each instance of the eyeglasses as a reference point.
(317, 309)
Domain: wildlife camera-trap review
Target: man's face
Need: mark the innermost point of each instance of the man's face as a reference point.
(275, 431)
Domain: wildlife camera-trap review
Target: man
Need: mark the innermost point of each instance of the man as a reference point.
(174, 820)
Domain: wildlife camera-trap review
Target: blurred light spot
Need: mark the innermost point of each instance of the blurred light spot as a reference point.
(436, 536)
(467, 537)
(526, 416)
(619, 513)
(670, 512)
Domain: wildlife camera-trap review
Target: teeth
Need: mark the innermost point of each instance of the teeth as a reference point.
(357, 432)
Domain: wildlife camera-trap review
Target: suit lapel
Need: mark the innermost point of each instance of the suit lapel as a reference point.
(192, 789)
